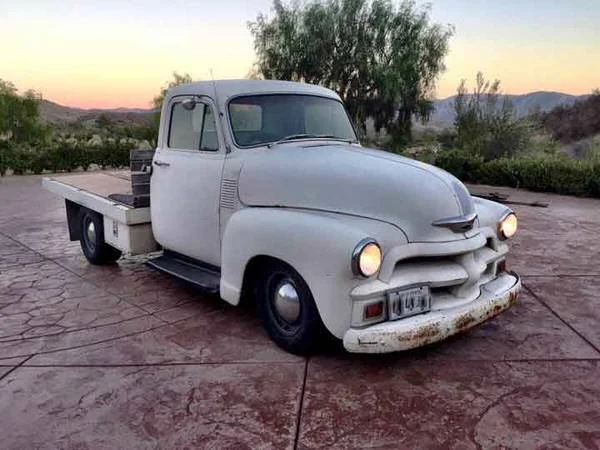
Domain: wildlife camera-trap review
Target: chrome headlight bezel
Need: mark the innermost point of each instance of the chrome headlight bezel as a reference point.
(358, 253)
(507, 226)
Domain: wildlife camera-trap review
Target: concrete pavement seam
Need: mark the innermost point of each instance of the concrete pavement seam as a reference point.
(539, 299)
(301, 404)
(16, 367)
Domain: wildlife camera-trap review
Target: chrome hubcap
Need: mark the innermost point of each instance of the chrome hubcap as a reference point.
(91, 232)
(287, 302)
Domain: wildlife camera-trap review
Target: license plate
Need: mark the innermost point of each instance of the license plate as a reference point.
(409, 302)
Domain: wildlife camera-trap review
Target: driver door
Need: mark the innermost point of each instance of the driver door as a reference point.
(186, 180)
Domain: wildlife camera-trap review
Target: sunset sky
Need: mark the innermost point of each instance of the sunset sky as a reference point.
(109, 53)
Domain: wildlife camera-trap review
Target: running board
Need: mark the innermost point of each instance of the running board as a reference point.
(206, 279)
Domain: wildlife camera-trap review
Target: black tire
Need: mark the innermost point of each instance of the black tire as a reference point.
(302, 335)
(94, 248)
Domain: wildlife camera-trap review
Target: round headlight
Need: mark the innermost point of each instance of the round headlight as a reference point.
(366, 258)
(507, 227)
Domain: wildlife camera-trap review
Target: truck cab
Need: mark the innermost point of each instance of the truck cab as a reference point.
(260, 189)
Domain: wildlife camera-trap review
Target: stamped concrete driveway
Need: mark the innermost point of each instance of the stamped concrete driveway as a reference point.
(124, 357)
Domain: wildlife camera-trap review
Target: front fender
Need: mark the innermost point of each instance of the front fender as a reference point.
(318, 246)
(489, 212)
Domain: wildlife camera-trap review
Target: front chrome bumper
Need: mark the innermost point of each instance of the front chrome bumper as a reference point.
(496, 296)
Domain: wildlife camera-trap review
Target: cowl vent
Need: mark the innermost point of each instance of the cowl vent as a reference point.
(228, 193)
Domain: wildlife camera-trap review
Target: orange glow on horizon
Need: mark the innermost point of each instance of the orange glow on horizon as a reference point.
(104, 55)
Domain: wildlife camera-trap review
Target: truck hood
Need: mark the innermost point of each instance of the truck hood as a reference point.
(347, 179)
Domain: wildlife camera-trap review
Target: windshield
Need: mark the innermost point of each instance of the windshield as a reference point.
(264, 119)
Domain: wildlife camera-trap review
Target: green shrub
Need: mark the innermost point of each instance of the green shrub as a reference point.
(461, 164)
(62, 155)
(6, 156)
(592, 152)
(548, 173)
(65, 156)
(487, 124)
(542, 144)
(21, 160)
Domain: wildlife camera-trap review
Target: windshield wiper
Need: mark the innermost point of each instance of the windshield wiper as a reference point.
(292, 137)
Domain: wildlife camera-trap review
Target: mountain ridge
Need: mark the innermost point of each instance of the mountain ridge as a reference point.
(442, 117)
(58, 114)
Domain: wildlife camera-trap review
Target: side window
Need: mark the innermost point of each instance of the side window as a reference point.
(193, 129)
(209, 141)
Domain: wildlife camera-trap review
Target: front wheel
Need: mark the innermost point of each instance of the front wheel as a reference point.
(92, 242)
(288, 310)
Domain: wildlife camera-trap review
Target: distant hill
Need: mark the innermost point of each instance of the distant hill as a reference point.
(443, 116)
(524, 104)
(56, 114)
(571, 123)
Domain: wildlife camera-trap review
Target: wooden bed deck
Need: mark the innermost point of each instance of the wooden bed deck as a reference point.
(102, 184)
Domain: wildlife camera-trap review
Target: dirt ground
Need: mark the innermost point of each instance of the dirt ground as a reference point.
(125, 357)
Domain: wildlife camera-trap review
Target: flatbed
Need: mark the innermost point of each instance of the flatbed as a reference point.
(125, 227)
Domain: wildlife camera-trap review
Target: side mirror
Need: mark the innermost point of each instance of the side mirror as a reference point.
(189, 104)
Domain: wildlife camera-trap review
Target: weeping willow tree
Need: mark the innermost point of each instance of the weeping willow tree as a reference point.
(382, 59)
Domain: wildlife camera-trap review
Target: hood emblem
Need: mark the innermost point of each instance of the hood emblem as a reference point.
(458, 224)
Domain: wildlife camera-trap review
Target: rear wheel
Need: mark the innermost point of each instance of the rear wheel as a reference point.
(288, 309)
(92, 242)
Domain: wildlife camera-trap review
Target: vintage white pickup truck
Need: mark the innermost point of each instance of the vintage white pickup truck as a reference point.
(261, 189)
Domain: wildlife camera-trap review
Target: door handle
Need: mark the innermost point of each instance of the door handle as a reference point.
(161, 163)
